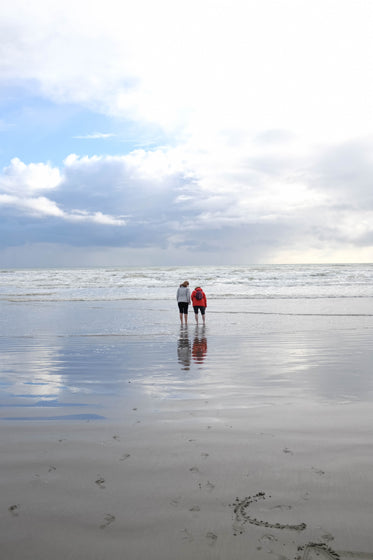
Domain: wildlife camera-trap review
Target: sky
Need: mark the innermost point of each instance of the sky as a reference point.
(182, 133)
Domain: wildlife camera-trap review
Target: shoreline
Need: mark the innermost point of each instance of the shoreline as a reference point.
(249, 438)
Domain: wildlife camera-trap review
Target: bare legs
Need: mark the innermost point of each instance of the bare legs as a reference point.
(185, 316)
(203, 318)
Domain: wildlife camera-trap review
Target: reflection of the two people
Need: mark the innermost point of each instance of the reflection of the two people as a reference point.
(185, 351)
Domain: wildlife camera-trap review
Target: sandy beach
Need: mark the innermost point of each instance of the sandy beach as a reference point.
(251, 438)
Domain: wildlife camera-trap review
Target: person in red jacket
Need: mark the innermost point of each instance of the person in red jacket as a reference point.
(199, 302)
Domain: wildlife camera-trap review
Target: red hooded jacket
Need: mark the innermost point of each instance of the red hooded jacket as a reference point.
(199, 302)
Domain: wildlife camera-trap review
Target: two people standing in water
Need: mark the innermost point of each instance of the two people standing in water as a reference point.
(184, 298)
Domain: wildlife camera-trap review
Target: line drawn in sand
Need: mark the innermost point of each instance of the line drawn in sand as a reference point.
(321, 551)
(242, 516)
(308, 551)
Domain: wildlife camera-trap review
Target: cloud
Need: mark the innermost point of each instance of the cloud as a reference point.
(96, 136)
(170, 199)
(344, 171)
(19, 178)
(266, 137)
(19, 184)
(247, 65)
(39, 206)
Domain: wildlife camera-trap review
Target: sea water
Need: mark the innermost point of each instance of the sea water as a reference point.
(220, 282)
(86, 343)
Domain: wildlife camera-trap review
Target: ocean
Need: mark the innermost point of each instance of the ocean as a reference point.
(77, 337)
(220, 282)
(123, 430)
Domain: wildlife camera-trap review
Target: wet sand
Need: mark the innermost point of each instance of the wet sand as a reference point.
(251, 438)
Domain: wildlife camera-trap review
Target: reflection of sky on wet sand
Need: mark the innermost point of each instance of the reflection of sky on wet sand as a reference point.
(235, 361)
(29, 369)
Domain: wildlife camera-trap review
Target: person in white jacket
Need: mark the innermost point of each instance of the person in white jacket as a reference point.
(183, 301)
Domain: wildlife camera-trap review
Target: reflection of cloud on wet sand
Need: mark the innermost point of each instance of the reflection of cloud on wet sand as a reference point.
(319, 357)
(31, 370)
(163, 380)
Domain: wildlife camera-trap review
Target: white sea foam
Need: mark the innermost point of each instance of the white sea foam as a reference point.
(220, 282)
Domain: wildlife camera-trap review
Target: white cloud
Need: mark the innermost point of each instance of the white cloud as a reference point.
(20, 182)
(95, 217)
(19, 178)
(201, 67)
(266, 105)
(39, 206)
(42, 207)
(162, 203)
(95, 136)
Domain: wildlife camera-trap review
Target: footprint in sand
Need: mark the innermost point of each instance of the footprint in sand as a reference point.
(287, 451)
(187, 535)
(209, 486)
(327, 537)
(267, 541)
(109, 519)
(194, 469)
(125, 456)
(281, 507)
(211, 537)
(100, 482)
(175, 502)
(318, 471)
(14, 510)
